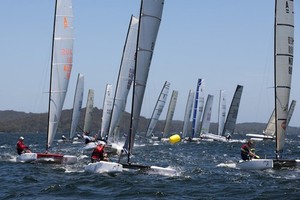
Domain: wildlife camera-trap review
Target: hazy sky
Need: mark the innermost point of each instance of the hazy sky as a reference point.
(225, 42)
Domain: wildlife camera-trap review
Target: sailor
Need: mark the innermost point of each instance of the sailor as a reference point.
(228, 137)
(88, 138)
(246, 152)
(99, 154)
(21, 147)
(63, 138)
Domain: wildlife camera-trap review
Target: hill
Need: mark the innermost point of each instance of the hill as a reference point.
(13, 121)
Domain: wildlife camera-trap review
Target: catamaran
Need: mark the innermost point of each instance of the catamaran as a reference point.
(230, 122)
(269, 131)
(186, 131)
(77, 105)
(159, 106)
(170, 114)
(61, 67)
(283, 65)
(149, 22)
(123, 86)
(205, 124)
(197, 113)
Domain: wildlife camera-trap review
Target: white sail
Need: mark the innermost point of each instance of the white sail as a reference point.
(290, 112)
(125, 77)
(107, 107)
(200, 107)
(77, 104)
(160, 104)
(233, 111)
(270, 129)
(187, 114)
(207, 115)
(195, 113)
(171, 110)
(221, 112)
(283, 65)
(89, 111)
(61, 64)
(149, 22)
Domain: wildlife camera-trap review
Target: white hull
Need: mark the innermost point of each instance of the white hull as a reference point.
(104, 167)
(214, 137)
(163, 171)
(26, 157)
(113, 148)
(92, 145)
(255, 164)
(260, 136)
(69, 159)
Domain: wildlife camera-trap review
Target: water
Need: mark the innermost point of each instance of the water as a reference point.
(206, 171)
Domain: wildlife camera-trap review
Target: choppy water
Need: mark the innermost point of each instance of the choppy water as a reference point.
(206, 171)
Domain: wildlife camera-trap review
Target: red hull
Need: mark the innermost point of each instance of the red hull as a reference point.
(49, 157)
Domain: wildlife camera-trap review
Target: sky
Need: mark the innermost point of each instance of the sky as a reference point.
(226, 43)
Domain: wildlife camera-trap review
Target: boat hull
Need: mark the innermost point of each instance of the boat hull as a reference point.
(278, 164)
(55, 158)
(215, 137)
(255, 164)
(166, 171)
(92, 145)
(26, 157)
(103, 167)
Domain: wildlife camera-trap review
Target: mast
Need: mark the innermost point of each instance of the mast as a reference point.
(51, 69)
(131, 128)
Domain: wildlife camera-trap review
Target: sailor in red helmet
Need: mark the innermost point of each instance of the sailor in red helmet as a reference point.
(21, 147)
(99, 154)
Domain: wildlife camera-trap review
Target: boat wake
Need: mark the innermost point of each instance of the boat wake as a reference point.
(228, 165)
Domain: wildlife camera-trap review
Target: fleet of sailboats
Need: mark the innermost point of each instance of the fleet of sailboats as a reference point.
(134, 69)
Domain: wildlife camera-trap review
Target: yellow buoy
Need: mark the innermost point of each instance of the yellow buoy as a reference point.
(174, 139)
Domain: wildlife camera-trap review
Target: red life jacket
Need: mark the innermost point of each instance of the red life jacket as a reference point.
(98, 153)
(21, 147)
